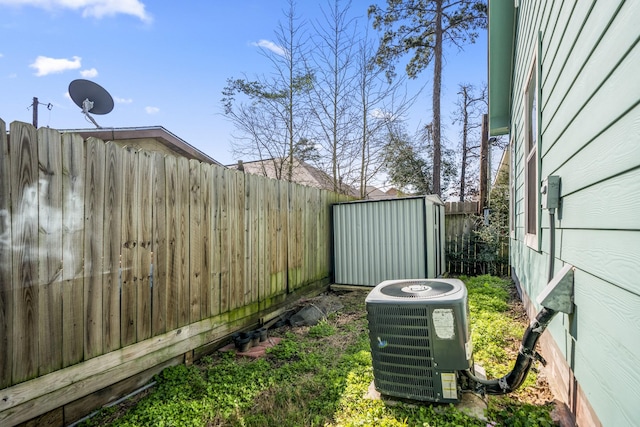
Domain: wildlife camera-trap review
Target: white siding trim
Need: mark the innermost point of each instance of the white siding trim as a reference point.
(532, 154)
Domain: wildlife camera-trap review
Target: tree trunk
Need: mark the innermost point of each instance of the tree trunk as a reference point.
(290, 127)
(484, 150)
(291, 68)
(465, 131)
(437, 83)
(364, 158)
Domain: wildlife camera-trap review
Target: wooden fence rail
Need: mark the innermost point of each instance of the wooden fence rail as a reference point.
(102, 247)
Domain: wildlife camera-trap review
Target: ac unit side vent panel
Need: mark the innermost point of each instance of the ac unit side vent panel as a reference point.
(402, 331)
(401, 373)
(415, 381)
(411, 325)
(404, 359)
(404, 371)
(405, 311)
(410, 348)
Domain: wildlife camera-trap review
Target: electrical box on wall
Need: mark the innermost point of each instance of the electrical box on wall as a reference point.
(550, 192)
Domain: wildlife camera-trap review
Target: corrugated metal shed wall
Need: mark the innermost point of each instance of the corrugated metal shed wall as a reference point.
(387, 239)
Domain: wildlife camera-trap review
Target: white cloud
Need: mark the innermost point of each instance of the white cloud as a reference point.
(378, 113)
(152, 110)
(89, 73)
(266, 44)
(90, 8)
(122, 100)
(45, 65)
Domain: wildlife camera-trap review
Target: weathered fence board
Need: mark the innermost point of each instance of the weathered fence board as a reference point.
(129, 246)
(293, 238)
(24, 202)
(145, 237)
(216, 268)
(160, 251)
(232, 240)
(195, 248)
(236, 223)
(283, 238)
(271, 259)
(206, 243)
(93, 244)
(50, 250)
(232, 236)
(171, 173)
(223, 232)
(241, 282)
(249, 278)
(262, 236)
(183, 241)
(6, 267)
(73, 164)
(114, 188)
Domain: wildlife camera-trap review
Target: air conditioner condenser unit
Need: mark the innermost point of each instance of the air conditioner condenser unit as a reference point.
(420, 339)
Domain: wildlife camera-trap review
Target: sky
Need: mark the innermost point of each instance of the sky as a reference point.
(165, 63)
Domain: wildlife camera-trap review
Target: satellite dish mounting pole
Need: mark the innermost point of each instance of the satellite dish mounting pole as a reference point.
(35, 112)
(86, 106)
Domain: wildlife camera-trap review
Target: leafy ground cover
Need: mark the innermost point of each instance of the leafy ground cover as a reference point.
(319, 376)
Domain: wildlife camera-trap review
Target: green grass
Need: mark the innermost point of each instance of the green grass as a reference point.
(492, 329)
(318, 376)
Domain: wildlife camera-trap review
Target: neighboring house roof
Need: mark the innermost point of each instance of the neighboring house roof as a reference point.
(151, 138)
(377, 194)
(302, 173)
(501, 47)
(393, 192)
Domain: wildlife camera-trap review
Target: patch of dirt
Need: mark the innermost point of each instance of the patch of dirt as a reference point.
(123, 407)
(346, 320)
(540, 394)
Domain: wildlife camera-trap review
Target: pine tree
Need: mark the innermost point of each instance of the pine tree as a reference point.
(421, 28)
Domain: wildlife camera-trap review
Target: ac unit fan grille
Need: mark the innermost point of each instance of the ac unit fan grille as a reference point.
(401, 350)
(418, 289)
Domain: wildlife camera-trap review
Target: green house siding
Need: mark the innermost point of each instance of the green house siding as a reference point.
(589, 134)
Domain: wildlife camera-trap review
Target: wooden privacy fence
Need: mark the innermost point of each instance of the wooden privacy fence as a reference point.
(111, 254)
(465, 252)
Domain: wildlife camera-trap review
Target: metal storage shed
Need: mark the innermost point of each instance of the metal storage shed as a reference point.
(377, 240)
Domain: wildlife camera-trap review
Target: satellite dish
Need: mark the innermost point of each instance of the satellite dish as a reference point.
(91, 97)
